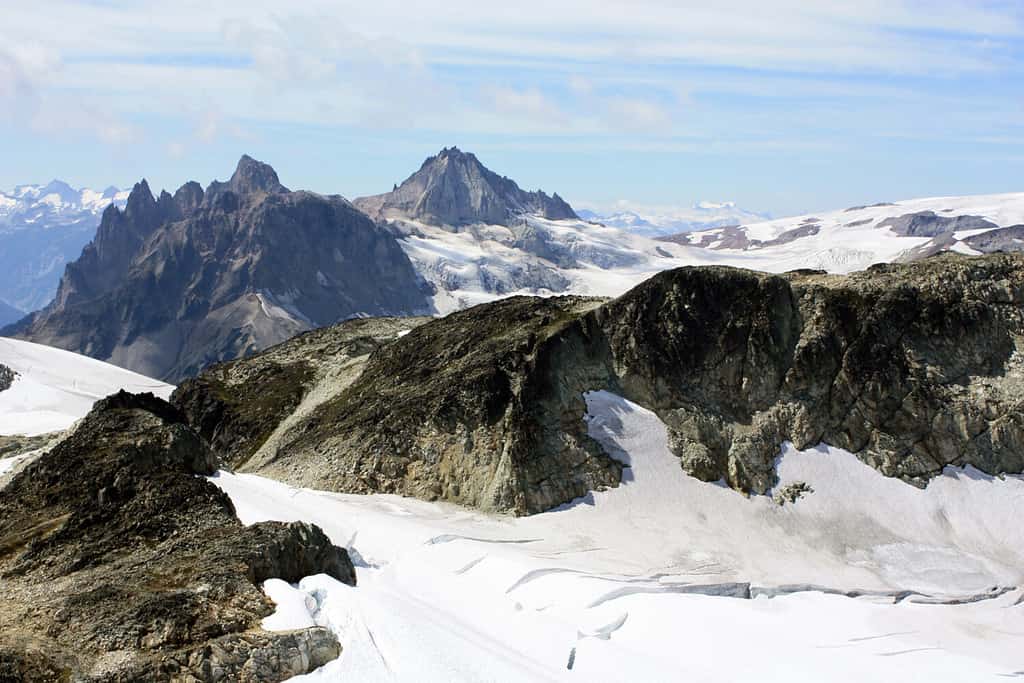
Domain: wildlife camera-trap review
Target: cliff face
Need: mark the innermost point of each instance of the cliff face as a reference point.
(119, 563)
(911, 366)
(174, 283)
(454, 188)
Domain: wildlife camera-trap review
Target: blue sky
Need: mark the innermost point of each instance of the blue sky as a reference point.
(782, 106)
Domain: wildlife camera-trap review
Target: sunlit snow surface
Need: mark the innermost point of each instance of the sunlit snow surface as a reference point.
(621, 585)
(469, 268)
(55, 387)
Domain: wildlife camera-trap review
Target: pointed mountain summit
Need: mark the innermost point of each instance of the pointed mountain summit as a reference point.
(175, 282)
(454, 188)
(251, 177)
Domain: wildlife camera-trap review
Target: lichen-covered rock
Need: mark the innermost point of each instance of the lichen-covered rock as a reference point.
(238, 405)
(254, 657)
(119, 563)
(911, 366)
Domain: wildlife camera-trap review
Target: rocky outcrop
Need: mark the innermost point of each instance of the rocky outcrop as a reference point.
(174, 283)
(463, 408)
(1007, 239)
(6, 377)
(454, 188)
(238, 406)
(912, 367)
(930, 224)
(119, 563)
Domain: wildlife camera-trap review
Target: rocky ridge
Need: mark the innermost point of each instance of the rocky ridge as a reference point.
(119, 563)
(176, 282)
(911, 366)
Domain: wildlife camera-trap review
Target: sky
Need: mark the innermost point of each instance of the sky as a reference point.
(783, 107)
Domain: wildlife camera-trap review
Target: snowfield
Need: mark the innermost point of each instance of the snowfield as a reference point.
(475, 264)
(54, 388)
(854, 238)
(655, 221)
(668, 578)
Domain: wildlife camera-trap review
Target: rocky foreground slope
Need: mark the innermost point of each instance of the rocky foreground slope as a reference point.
(118, 563)
(911, 366)
(173, 283)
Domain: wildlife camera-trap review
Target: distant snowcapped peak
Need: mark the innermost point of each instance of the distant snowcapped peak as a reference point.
(55, 198)
(655, 221)
(714, 205)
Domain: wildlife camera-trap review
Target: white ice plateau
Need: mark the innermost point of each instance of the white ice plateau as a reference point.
(468, 265)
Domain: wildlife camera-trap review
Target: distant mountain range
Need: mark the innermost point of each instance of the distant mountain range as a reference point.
(859, 236)
(173, 283)
(42, 228)
(657, 222)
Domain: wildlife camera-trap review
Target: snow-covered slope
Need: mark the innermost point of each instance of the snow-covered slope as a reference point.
(669, 221)
(43, 227)
(28, 204)
(472, 264)
(53, 388)
(668, 578)
(854, 238)
(478, 263)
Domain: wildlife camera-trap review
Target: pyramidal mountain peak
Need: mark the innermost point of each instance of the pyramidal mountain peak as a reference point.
(454, 188)
(255, 176)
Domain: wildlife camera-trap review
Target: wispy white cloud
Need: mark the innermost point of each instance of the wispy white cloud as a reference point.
(638, 115)
(388, 63)
(645, 76)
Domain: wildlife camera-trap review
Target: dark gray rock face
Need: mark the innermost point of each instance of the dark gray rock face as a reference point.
(119, 563)
(6, 377)
(910, 366)
(930, 224)
(1007, 239)
(174, 283)
(454, 188)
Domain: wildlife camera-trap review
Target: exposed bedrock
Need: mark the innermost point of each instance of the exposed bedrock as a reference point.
(911, 366)
(6, 377)
(119, 563)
